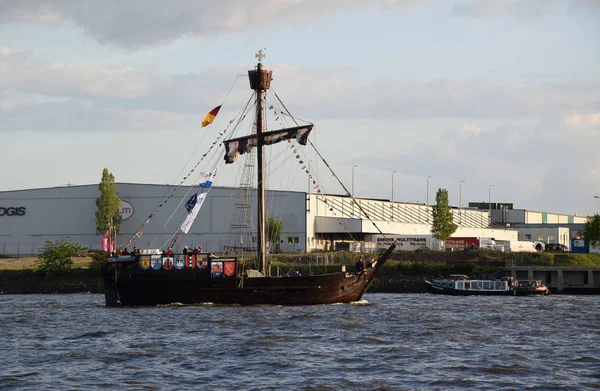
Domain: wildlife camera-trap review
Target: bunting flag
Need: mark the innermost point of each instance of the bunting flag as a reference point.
(210, 117)
(207, 179)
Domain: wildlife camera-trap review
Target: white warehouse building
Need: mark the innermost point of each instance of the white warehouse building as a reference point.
(28, 218)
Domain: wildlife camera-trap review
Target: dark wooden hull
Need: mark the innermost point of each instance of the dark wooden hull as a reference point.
(141, 287)
(132, 286)
(443, 290)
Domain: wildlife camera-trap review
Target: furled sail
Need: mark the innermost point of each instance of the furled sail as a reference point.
(241, 145)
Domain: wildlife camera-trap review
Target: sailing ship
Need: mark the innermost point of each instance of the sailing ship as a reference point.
(461, 285)
(198, 277)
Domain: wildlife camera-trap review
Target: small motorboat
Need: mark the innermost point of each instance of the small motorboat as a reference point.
(529, 288)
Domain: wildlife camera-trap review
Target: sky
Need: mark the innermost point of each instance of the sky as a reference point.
(501, 94)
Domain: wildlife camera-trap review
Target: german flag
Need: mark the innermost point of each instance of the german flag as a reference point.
(210, 117)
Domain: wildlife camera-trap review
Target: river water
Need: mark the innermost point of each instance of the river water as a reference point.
(385, 342)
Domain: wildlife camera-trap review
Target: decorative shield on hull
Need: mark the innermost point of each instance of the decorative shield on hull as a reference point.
(145, 263)
(229, 268)
(202, 261)
(190, 261)
(167, 263)
(179, 263)
(156, 262)
(216, 269)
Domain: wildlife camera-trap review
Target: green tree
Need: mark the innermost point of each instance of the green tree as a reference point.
(443, 223)
(274, 229)
(55, 257)
(107, 204)
(591, 230)
(98, 261)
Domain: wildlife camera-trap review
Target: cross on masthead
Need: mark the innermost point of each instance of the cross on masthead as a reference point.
(260, 55)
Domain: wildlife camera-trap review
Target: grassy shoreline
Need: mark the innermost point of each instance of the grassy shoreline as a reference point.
(403, 273)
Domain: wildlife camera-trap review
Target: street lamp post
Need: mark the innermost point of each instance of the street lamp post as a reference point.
(427, 202)
(353, 167)
(308, 184)
(490, 202)
(352, 195)
(392, 203)
(428, 189)
(393, 172)
(460, 199)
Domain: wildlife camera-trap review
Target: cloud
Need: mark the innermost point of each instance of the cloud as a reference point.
(485, 8)
(470, 129)
(443, 98)
(550, 166)
(520, 8)
(7, 105)
(80, 94)
(5, 51)
(57, 79)
(81, 116)
(582, 121)
(139, 23)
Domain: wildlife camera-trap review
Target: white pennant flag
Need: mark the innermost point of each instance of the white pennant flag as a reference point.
(189, 220)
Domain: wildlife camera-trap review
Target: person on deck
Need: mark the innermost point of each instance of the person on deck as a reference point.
(135, 252)
(185, 250)
(125, 252)
(360, 267)
(298, 274)
(170, 251)
(164, 253)
(195, 251)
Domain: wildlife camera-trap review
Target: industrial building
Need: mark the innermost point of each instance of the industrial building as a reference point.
(311, 222)
(534, 225)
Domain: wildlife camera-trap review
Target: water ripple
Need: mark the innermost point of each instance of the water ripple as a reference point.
(386, 342)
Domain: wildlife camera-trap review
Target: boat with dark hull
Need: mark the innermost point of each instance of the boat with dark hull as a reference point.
(127, 284)
(461, 285)
(530, 288)
(154, 279)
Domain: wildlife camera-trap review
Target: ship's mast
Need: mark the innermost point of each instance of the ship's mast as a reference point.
(260, 81)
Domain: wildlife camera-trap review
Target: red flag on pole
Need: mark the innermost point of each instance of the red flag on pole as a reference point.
(113, 240)
(106, 241)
